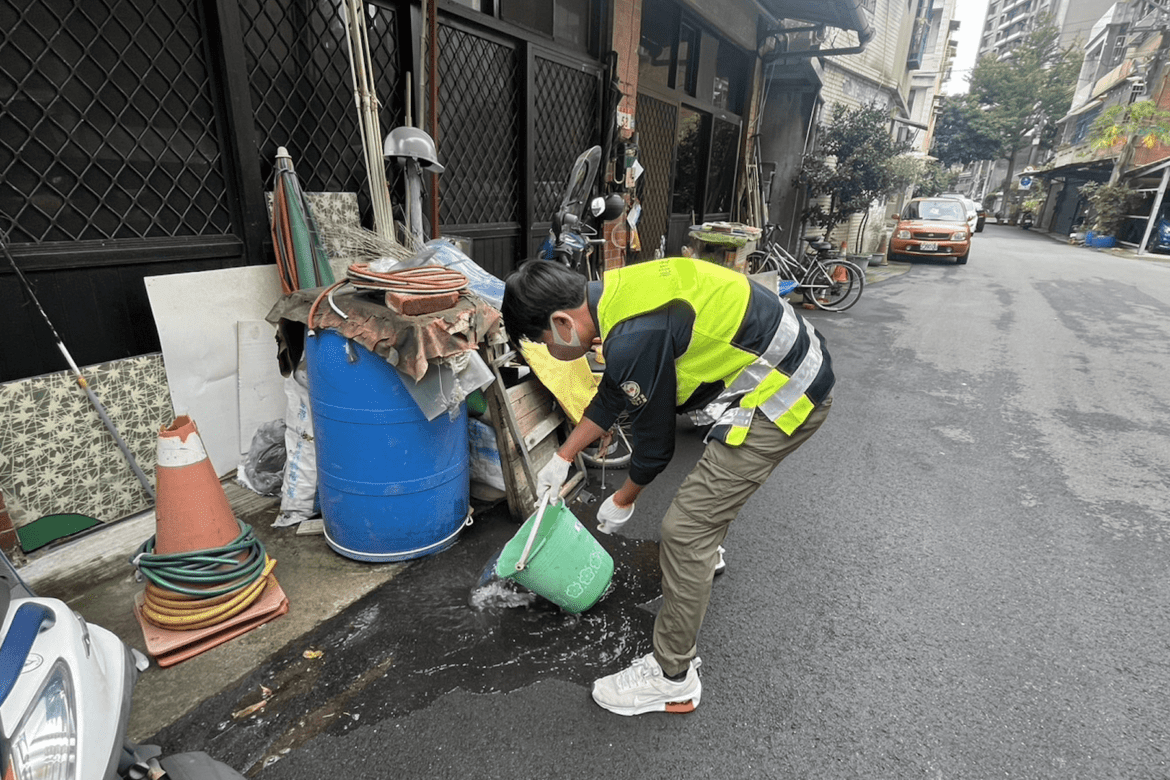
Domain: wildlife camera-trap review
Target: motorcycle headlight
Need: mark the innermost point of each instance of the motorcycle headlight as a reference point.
(959, 235)
(44, 745)
(903, 234)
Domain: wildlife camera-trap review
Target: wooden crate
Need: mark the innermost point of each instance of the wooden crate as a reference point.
(541, 426)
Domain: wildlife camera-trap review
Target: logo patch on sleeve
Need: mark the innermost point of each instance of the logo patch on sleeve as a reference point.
(634, 393)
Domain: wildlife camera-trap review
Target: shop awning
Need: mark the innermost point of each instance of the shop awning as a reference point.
(1095, 170)
(1082, 109)
(843, 14)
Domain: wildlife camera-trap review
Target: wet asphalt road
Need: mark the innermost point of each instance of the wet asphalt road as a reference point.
(963, 575)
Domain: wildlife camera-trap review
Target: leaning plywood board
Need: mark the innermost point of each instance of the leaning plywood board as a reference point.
(262, 397)
(196, 316)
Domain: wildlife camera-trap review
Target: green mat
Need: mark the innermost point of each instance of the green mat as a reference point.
(50, 528)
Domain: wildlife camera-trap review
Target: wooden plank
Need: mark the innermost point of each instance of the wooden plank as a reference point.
(527, 420)
(531, 402)
(513, 452)
(515, 485)
(542, 429)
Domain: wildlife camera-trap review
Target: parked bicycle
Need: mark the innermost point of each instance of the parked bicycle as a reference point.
(825, 279)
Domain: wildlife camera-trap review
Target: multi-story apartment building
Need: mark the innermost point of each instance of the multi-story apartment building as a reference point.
(903, 68)
(1125, 62)
(934, 58)
(1008, 21)
(1005, 25)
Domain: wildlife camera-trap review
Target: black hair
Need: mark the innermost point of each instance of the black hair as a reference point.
(534, 291)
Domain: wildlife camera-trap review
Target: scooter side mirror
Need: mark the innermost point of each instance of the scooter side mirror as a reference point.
(607, 208)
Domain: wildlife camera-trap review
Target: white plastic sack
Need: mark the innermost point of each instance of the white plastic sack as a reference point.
(298, 493)
(485, 454)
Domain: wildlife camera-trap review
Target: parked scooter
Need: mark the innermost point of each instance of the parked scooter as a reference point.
(574, 231)
(1026, 219)
(65, 693)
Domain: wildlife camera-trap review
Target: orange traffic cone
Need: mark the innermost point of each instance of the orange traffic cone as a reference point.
(192, 511)
(193, 514)
(883, 245)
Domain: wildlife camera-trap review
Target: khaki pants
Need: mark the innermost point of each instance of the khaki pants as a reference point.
(696, 523)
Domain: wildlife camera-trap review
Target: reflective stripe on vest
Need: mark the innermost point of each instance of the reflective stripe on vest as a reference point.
(780, 397)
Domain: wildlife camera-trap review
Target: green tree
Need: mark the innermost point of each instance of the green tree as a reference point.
(934, 178)
(1025, 93)
(963, 132)
(1109, 203)
(853, 164)
(1128, 127)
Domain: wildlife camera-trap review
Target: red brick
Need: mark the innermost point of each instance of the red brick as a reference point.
(412, 305)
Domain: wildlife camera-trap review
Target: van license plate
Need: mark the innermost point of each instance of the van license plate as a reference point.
(928, 246)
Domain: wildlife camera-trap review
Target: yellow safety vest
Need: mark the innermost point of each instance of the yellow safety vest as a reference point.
(719, 298)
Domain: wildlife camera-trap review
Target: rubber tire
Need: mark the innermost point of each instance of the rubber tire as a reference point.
(857, 278)
(760, 262)
(962, 260)
(617, 460)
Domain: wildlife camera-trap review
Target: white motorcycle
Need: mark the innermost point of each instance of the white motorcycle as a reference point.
(65, 692)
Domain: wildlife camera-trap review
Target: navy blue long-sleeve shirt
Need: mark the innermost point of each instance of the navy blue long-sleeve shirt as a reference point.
(640, 377)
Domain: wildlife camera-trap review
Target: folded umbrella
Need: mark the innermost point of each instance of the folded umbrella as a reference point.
(300, 255)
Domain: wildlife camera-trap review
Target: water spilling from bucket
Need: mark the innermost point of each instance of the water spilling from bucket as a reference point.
(494, 592)
(500, 594)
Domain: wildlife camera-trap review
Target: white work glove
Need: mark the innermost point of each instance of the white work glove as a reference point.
(552, 477)
(611, 517)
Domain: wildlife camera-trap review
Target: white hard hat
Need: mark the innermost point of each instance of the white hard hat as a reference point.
(414, 143)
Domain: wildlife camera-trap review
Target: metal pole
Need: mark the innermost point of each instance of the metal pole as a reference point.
(93, 399)
(1152, 218)
(432, 24)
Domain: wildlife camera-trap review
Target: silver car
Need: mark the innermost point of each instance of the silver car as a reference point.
(973, 217)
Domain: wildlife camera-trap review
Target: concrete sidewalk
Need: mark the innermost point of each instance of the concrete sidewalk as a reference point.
(1116, 251)
(318, 582)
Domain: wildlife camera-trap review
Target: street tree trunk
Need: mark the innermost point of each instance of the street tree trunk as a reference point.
(1008, 198)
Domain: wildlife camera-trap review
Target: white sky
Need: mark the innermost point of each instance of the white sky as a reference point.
(972, 14)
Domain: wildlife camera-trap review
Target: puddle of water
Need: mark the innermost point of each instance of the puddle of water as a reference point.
(441, 624)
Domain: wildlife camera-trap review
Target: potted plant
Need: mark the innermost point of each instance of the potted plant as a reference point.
(1109, 204)
(852, 165)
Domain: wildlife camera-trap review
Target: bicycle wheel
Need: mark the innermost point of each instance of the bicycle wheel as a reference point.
(759, 262)
(835, 285)
(618, 454)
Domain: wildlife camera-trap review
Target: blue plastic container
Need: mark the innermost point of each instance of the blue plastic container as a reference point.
(392, 485)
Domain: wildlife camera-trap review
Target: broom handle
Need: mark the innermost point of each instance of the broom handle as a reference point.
(520, 564)
(93, 399)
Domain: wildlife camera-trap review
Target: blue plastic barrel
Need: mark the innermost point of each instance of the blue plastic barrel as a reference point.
(392, 485)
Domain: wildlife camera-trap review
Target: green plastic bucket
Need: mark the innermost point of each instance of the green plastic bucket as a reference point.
(554, 556)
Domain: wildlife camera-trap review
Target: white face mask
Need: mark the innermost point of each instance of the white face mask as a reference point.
(574, 341)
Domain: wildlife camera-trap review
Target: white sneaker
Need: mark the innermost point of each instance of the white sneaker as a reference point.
(720, 565)
(643, 688)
